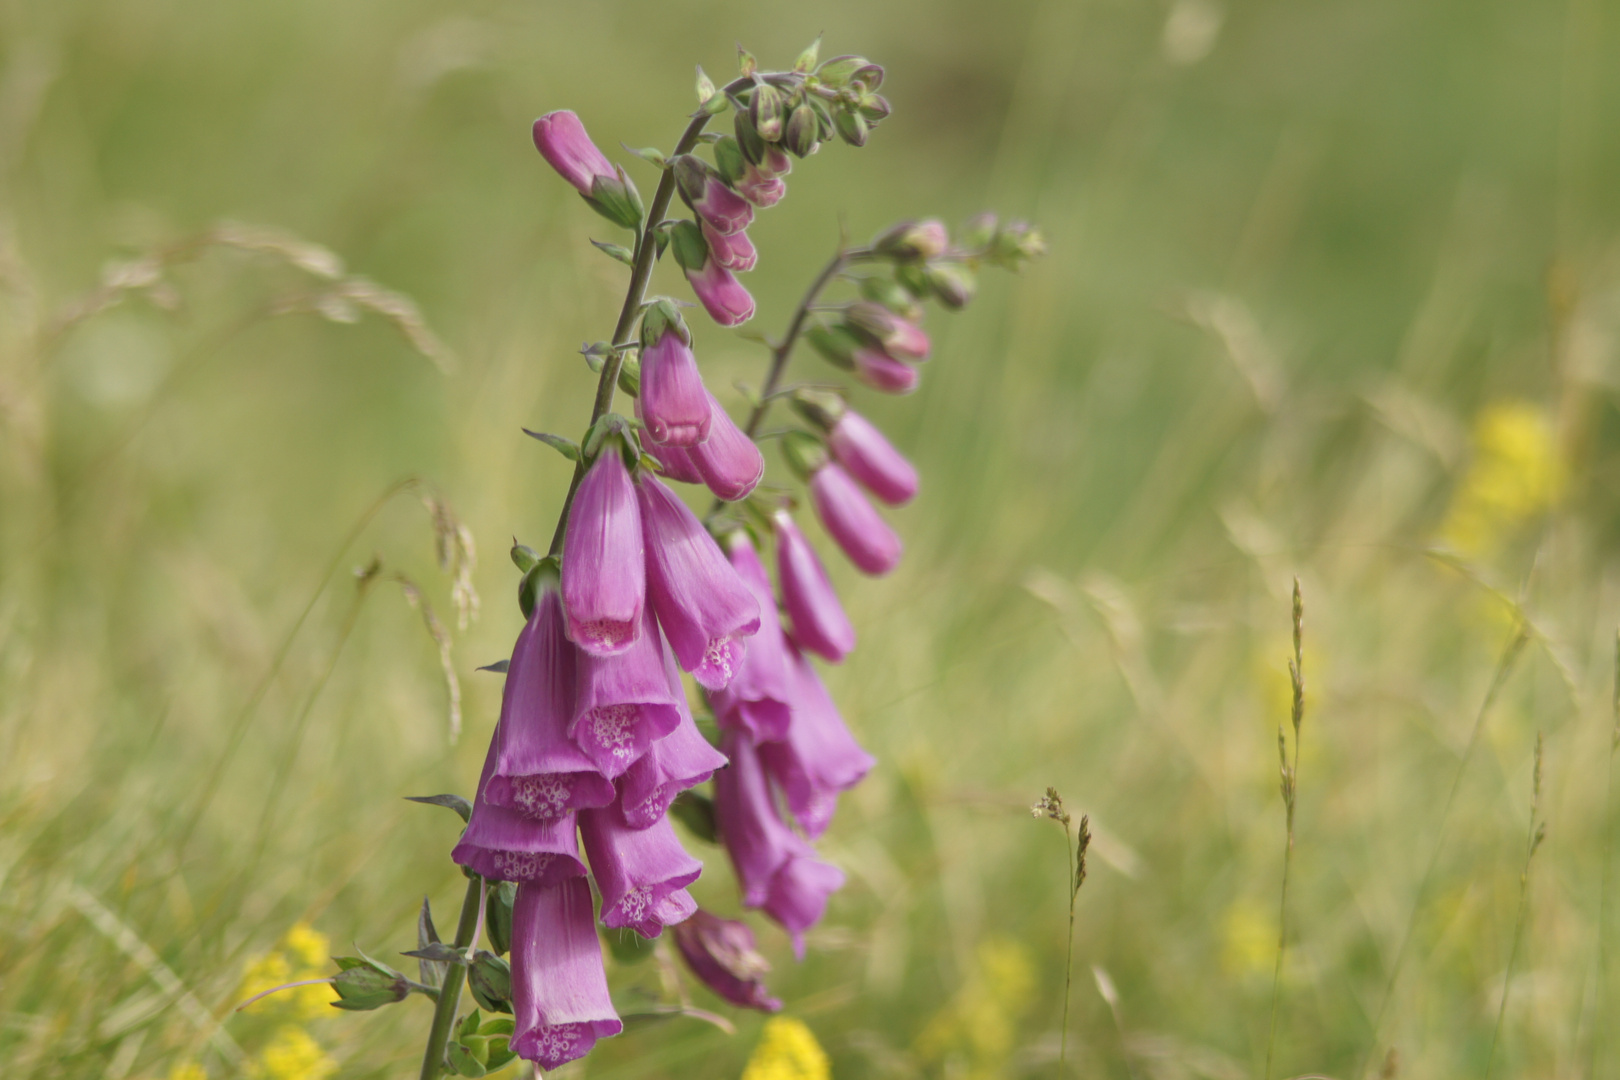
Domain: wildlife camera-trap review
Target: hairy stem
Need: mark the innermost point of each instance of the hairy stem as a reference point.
(444, 1012)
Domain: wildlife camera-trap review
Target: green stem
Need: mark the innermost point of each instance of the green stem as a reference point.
(444, 1012)
(1068, 955)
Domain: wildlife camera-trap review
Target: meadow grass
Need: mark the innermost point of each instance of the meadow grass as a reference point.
(1334, 293)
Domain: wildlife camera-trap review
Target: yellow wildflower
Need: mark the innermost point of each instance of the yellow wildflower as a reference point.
(264, 973)
(307, 945)
(309, 949)
(293, 1055)
(1249, 941)
(1516, 473)
(187, 1070)
(787, 1050)
(982, 1019)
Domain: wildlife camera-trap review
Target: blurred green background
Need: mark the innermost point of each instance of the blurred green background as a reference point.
(1332, 285)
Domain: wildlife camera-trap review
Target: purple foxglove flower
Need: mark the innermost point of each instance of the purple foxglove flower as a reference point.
(761, 190)
(735, 252)
(880, 371)
(729, 462)
(604, 582)
(676, 461)
(721, 294)
(507, 845)
(722, 209)
(819, 622)
(926, 239)
(704, 609)
(623, 703)
(537, 768)
(865, 454)
(853, 522)
(637, 870)
(758, 700)
(818, 759)
(907, 340)
(560, 1001)
(778, 869)
(673, 403)
(562, 141)
(680, 760)
(898, 336)
(721, 952)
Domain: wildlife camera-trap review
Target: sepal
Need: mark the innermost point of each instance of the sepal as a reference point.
(806, 62)
(952, 283)
(617, 199)
(568, 448)
(691, 249)
(837, 72)
(524, 557)
(805, 453)
(728, 159)
(616, 251)
(430, 968)
(836, 343)
(489, 978)
(821, 408)
(498, 916)
(451, 802)
(851, 127)
(706, 91)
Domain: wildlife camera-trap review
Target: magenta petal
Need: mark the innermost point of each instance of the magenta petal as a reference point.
(636, 869)
(775, 866)
(704, 609)
(560, 1000)
(880, 371)
(735, 252)
(907, 340)
(680, 760)
(819, 758)
(721, 953)
(762, 191)
(722, 209)
(674, 405)
(604, 581)
(871, 459)
(729, 462)
(853, 521)
(758, 699)
(506, 845)
(561, 139)
(819, 622)
(624, 702)
(676, 462)
(537, 769)
(721, 294)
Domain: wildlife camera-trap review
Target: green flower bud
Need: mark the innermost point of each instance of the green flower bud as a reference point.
(803, 130)
(889, 293)
(617, 199)
(851, 127)
(836, 343)
(805, 453)
(837, 72)
(364, 984)
(821, 408)
(498, 916)
(490, 980)
(869, 76)
(524, 557)
(912, 278)
(953, 283)
(926, 239)
(765, 110)
(874, 108)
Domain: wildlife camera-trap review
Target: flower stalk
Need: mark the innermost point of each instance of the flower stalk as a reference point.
(444, 1010)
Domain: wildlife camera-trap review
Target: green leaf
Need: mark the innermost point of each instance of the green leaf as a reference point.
(616, 251)
(650, 154)
(469, 1025)
(454, 802)
(568, 448)
(460, 1060)
(498, 667)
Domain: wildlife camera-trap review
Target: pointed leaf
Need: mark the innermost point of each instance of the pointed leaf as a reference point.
(469, 1025)
(807, 59)
(746, 64)
(453, 802)
(650, 154)
(568, 448)
(438, 952)
(705, 86)
(429, 968)
(499, 667)
(461, 1061)
(616, 251)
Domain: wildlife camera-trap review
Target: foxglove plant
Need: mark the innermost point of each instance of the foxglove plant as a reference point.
(596, 737)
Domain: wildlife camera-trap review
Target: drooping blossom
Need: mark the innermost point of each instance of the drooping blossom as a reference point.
(898, 336)
(735, 252)
(866, 455)
(537, 768)
(676, 462)
(603, 574)
(721, 294)
(926, 239)
(706, 193)
(680, 760)
(624, 703)
(853, 522)
(673, 404)
(721, 953)
(705, 610)
(641, 873)
(759, 698)
(819, 757)
(819, 622)
(777, 868)
(509, 845)
(560, 1001)
(729, 462)
(562, 141)
(880, 371)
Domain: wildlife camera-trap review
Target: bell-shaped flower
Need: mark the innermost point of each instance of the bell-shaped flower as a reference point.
(926, 239)
(680, 760)
(637, 871)
(819, 758)
(880, 371)
(852, 521)
(537, 768)
(762, 191)
(819, 622)
(706, 193)
(865, 454)
(735, 252)
(758, 699)
(896, 335)
(562, 141)
(560, 1001)
(721, 953)
(704, 608)
(675, 461)
(721, 294)
(623, 703)
(604, 582)
(729, 461)
(673, 404)
(508, 845)
(778, 869)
